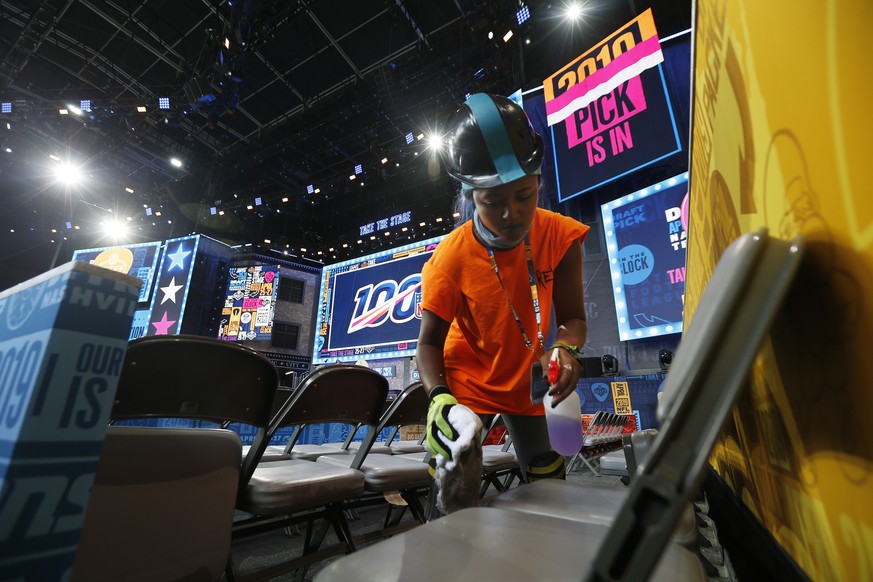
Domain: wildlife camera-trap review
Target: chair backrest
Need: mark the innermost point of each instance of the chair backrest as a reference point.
(337, 393)
(410, 407)
(708, 371)
(185, 376)
(343, 393)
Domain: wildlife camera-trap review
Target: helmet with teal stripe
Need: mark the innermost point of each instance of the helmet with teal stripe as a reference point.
(491, 142)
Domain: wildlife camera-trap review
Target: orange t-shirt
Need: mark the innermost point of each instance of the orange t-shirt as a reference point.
(487, 361)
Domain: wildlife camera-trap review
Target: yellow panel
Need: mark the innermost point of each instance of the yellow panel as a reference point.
(781, 138)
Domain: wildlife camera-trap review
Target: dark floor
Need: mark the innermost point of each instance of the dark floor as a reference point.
(255, 553)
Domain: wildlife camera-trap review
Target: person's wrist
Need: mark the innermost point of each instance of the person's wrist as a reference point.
(439, 390)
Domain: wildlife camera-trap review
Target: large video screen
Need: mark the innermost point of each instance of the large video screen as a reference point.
(137, 260)
(645, 241)
(370, 307)
(250, 303)
(609, 110)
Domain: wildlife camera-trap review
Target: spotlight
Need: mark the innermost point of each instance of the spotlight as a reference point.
(6, 107)
(507, 36)
(85, 105)
(163, 102)
(68, 174)
(358, 169)
(610, 365)
(384, 160)
(409, 138)
(114, 228)
(309, 189)
(665, 359)
(523, 14)
(140, 108)
(574, 11)
(435, 142)
(176, 162)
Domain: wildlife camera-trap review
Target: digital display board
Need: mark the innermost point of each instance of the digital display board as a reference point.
(137, 260)
(250, 303)
(646, 241)
(370, 307)
(609, 111)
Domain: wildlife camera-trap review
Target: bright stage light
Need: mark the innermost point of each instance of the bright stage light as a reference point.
(68, 174)
(574, 11)
(523, 14)
(114, 229)
(435, 142)
(176, 162)
(163, 102)
(507, 36)
(6, 107)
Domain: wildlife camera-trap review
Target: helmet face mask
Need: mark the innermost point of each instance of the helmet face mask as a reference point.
(491, 142)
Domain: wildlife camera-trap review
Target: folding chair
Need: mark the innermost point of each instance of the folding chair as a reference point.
(287, 492)
(163, 499)
(708, 371)
(386, 473)
(499, 464)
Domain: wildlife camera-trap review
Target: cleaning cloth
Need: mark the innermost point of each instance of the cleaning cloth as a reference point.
(458, 479)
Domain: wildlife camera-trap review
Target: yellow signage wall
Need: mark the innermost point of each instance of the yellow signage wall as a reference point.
(783, 138)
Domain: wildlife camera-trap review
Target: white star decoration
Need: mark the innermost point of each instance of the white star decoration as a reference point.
(170, 291)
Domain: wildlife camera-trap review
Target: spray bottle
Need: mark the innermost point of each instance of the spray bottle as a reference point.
(564, 420)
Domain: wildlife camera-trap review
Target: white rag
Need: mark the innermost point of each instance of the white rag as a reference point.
(458, 479)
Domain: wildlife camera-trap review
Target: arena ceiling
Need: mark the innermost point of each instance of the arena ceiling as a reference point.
(271, 107)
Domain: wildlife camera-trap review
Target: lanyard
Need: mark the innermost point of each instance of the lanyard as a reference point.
(533, 292)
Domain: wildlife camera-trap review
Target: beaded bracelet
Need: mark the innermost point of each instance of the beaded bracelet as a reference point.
(573, 350)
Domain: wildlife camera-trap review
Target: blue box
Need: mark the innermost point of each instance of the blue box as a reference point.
(63, 336)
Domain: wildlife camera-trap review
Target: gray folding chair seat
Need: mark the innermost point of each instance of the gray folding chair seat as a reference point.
(486, 543)
(284, 487)
(499, 464)
(591, 502)
(304, 452)
(384, 473)
(494, 461)
(613, 463)
(377, 448)
(271, 453)
(406, 447)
